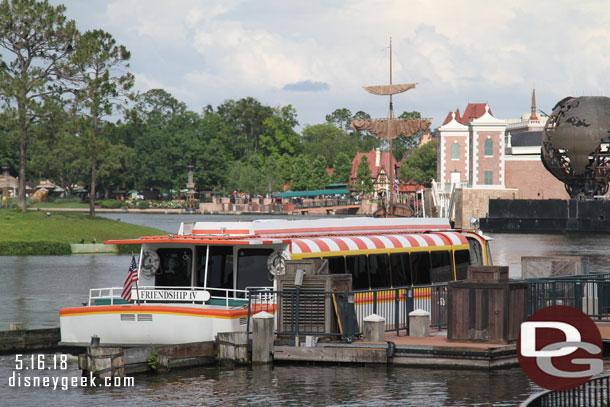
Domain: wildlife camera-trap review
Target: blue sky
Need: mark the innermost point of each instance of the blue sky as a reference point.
(317, 55)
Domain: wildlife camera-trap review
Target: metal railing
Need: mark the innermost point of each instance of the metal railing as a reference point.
(221, 296)
(325, 203)
(589, 293)
(595, 392)
(342, 313)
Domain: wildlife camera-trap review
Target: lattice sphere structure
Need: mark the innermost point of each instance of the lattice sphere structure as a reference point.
(576, 145)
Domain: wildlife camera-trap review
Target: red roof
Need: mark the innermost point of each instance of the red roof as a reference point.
(473, 111)
(449, 116)
(371, 155)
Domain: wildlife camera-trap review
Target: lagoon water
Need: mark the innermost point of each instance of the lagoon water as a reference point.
(35, 287)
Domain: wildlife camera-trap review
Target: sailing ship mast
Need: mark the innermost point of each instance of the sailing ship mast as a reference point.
(391, 128)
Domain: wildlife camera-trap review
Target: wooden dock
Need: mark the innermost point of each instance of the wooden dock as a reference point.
(432, 351)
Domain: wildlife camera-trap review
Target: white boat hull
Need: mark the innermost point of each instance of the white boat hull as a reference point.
(143, 324)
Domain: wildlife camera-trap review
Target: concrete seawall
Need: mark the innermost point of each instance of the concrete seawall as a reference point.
(88, 248)
(28, 340)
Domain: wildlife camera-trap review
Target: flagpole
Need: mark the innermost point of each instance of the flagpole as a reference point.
(137, 289)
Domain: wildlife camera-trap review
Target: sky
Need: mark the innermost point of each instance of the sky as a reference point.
(318, 54)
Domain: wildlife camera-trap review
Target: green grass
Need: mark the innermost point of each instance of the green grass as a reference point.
(19, 232)
(52, 205)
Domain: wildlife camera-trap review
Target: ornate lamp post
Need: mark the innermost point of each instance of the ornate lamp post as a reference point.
(190, 193)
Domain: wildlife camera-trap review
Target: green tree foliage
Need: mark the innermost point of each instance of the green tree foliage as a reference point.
(302, 174)
(342, 169)
(278, 135)
(364, 177)
(403, 146)
(116, 167)
(36, 38)
(340, 118)
(320, 175)
(245, 119)
(420, 167)
(97, 70)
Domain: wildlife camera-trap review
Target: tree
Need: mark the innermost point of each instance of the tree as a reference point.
(402, 145)
(364, 177)
(37, 39)
(245, 118)
(278, 135)
(340, 118)
(96, 69)
(319, 176)
(342, 169)
(420, 167)
(116, 167)
(302, 174)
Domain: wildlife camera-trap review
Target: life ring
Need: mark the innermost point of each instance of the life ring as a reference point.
(276, 263)
(150, 263)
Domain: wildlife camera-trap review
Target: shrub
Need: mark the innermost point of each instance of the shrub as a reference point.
(111, 204)
(34, 248)
(143, 205)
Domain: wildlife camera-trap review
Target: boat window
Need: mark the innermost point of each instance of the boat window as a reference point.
(441, 266)
(252, 268)
(357, 267)
(336, 264)
(462, 261)
(400, 272)
(175, 268)
(379, 270)
(420, 267)
(476, 254)
(220, 268)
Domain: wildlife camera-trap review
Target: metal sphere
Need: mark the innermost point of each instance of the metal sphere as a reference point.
(576, 145)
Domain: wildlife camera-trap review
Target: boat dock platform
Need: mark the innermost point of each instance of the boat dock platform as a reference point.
(431, 351)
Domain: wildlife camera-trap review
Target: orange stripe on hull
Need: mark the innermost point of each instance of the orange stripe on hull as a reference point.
(156, 309)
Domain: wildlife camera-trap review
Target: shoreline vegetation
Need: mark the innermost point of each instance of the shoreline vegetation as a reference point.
(34, 233)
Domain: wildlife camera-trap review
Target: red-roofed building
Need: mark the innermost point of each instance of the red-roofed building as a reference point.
(379, 163)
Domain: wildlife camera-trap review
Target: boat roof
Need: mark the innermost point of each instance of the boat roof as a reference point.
(292, 227)
(278, 231)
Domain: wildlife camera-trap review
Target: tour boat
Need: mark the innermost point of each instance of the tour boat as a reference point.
(195, 284)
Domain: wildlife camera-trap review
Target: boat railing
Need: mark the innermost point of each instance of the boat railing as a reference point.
(303, 312)
(226, 297)
(595, 392)
(589, 293)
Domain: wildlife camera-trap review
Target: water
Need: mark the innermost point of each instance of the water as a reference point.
(35, 287)
(286, 386)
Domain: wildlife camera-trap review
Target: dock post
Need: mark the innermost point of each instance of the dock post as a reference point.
(16, 326)
(419, 323)
(374, 328)
(262, 338)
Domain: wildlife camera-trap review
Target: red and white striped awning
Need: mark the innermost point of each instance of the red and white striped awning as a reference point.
(364, 243)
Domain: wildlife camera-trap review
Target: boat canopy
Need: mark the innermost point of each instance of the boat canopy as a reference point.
(355, 243)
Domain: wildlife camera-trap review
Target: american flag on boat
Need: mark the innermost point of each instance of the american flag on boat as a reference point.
(132, 277)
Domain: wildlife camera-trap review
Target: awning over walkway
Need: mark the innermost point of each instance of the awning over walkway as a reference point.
(319, 192)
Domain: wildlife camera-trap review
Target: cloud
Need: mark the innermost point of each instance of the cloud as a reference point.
(307, 86)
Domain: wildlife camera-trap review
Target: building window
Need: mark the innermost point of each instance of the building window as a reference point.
(489, 178)
(455, 151)
(489, 148)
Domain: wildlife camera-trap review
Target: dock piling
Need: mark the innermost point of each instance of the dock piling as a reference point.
(374, 328)
(419, 323)
(262, 338)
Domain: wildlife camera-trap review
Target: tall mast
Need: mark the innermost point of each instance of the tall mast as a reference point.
(390, 169)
